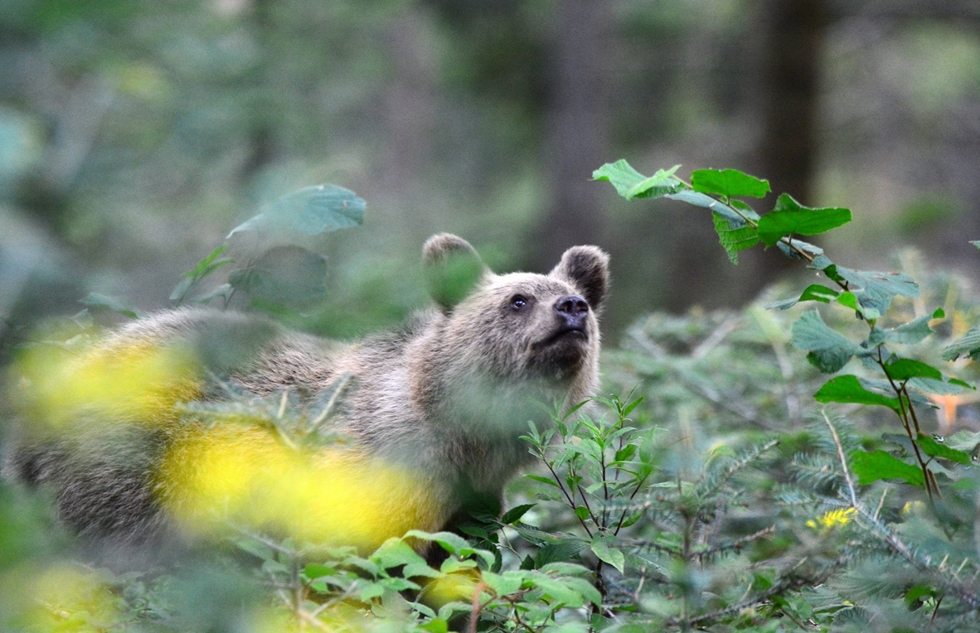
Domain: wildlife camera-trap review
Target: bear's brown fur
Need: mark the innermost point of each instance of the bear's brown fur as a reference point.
(439, 406)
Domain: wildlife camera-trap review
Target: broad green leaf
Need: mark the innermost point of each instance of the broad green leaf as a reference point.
(813, 292)
(395, 552)
(849, 389)
(876, 289)
(504, 584)
(285, 275)
(656, 185)
(969, 345)
(734, 240)
(607, 553)
(850, 300)
(871, 467)
(516, 513)
(911, 332)
(630, 183)
(827, 350)
(97, 301)
(932, 448)
(790, 218)
(902, 369)
(728, 182)
(308, 212)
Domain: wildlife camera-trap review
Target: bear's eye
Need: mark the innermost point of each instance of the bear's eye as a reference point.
(518, 303)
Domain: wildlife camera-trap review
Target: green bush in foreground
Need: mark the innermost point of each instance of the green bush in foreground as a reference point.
(730, 486)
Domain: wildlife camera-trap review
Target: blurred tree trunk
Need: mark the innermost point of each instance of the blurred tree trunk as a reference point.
(261, 133)
(576, 127)
(789, 93)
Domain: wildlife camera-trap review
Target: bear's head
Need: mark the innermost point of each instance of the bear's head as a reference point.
(524, 330)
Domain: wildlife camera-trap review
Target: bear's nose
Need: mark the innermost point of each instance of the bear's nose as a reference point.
(573, 310)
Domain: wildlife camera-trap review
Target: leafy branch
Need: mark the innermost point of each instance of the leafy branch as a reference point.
(868, 294)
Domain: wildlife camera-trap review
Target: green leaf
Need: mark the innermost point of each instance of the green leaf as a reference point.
(932, 448)
(734, 240)
(876, 290)
(790, 218)
(504, 584)
(902, 369)
(850, 300)
(544, 480)
(204, 268)
(849, 389)
(516, 513)
(395, 552)
(871, 467)
(813, 292)
(607, 553)
(630, 183)
(698, 199)
(969, 345)
(308, 212)
(728, 182)
(96, 301)
(827, 350)
(285, 275)
(911, 332)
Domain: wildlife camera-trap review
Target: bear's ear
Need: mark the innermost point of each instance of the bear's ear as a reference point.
(452, 268)
(587, 268)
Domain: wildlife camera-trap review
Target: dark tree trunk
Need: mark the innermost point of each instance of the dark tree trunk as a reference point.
(789, 96)
(576, 127)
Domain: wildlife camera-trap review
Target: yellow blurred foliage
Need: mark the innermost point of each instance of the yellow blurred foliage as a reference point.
(336, 495)
(66, 597)
(456, 586)
(135, 383)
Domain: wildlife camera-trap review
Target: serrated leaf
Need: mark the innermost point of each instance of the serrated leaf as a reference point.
(848, 389)
(308, 212)
(656, 185)
(827, 350)
(876, 289)
(791, 218)
(969, 345)
(734, 240)
(729, 182)
(630, 183)
(932, 448)
(871, 467)
(607, 553)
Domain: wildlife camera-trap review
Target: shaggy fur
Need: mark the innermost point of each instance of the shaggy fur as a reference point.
(447, 397)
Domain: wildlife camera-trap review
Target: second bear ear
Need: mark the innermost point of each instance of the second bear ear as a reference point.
(586, 267)
(452, 268)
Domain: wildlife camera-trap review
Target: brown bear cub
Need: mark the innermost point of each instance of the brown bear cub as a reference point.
(429, 416)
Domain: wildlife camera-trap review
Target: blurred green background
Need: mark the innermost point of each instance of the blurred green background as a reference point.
(134, 135)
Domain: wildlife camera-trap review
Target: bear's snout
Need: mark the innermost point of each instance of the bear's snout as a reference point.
(573, 311)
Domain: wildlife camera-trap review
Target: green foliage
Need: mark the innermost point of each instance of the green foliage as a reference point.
(285, 274)
(896, 375)
(736, 487)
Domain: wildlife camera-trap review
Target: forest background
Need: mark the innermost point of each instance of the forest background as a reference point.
(134, 135)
